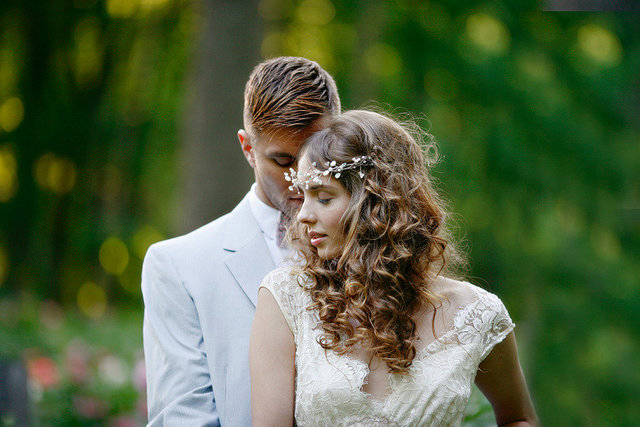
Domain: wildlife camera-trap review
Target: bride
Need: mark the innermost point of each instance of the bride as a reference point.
(368, 330)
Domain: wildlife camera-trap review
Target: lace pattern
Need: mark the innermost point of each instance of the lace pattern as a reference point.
(329, 387)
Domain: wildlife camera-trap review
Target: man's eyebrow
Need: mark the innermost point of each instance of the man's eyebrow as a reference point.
(281, 154)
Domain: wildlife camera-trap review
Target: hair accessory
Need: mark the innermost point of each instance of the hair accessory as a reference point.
(332, 168)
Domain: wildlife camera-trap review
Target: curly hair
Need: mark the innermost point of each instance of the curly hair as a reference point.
(395, 238)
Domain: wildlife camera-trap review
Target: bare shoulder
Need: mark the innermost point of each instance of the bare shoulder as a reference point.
(453, 292)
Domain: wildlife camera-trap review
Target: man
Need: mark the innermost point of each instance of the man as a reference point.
(200, 289)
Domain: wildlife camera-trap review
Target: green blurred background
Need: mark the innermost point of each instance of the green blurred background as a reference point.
(118, 123)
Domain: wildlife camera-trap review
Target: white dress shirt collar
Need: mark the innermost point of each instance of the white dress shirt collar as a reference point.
(267, 219)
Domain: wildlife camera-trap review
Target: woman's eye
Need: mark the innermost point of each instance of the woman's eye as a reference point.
(323, 201)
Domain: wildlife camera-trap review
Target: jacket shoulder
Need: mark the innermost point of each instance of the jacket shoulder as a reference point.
(209, 237)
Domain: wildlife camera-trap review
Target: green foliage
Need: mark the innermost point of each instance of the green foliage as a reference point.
(537, 115)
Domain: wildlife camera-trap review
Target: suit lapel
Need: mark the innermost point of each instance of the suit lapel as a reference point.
(249, 258)
(249, 265)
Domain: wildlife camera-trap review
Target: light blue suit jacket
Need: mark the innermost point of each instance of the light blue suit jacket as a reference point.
(200, 292)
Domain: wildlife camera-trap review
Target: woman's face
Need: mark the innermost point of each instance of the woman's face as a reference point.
(321, 212)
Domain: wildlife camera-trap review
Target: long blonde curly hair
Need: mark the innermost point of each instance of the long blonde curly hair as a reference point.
(395, 238)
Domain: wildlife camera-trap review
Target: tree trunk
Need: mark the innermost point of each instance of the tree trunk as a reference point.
(215, 174)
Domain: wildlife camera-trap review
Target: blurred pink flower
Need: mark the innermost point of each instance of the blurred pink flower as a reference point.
(123, 421)
(139, 376)
(51, 314)
(77, 361)
(89, 407)
(43, 371)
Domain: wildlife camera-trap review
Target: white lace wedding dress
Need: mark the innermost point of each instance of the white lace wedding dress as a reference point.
(435, 393)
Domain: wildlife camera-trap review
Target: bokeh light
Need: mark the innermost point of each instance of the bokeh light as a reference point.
(536, 66)
(143, 238)
(152, 5)
(113, 370)
(605, 243)
(130, 277)
(92, 300)
(114, 256)
(272, 44)
(275, 9)
(8, 174)
(88, 52)
(316, 12)
(446, 121)
(11, 114)
(122, 8)
(488, 33)
(600, 45)
(382, 60)
(56, 174)
(131, 8)
(310, 42)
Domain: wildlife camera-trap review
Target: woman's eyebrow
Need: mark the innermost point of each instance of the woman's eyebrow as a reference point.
(318, 187)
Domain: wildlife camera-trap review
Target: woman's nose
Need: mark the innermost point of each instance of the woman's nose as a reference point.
(305, 216)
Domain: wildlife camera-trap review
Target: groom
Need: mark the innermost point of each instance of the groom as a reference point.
(200, 289)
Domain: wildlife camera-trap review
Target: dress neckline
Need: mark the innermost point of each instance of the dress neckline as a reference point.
(422, 353)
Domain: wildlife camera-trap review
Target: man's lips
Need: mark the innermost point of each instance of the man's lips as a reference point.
(297, 199)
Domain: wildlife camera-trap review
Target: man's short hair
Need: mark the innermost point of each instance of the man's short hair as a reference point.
(288, 93)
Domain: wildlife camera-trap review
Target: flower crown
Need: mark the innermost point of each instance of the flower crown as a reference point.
(298, 180)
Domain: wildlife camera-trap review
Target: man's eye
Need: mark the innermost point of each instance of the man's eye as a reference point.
(283, 161)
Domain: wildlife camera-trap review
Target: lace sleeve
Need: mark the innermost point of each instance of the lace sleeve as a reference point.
(282, 284)
(499, 324)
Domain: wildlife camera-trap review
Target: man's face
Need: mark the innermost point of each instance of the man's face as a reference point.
(271, 155)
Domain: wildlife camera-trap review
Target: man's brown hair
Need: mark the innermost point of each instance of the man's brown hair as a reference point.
(288, 93)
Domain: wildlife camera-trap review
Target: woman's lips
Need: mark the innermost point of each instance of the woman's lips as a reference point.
(316, 238)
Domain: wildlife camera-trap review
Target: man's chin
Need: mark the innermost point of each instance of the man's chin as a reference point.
(291, 206)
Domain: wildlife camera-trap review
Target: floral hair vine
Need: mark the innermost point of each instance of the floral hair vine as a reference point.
(333, 168)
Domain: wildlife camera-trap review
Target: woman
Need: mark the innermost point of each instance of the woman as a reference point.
(369, 331)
